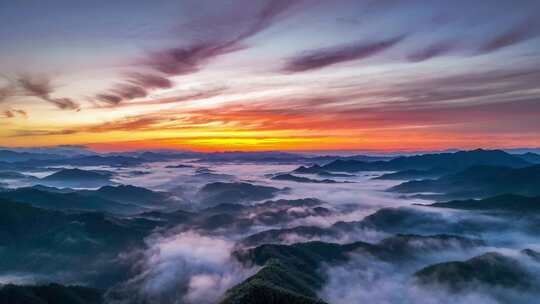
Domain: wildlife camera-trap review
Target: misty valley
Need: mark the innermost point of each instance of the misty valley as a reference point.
(270, 152)
(78, 226)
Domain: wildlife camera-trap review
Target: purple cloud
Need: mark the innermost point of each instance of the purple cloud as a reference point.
(42, 88)
(520, 33)
(108, 98)
(36, 87)
(189, 59)
(180, 61)
(64, 103)
(136, 85)
(432, 51)
(30, 133)
(321, 58)
(149, 81)
(186, 60)
(127, 91)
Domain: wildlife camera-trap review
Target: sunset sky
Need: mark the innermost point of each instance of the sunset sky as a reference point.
(270, 75)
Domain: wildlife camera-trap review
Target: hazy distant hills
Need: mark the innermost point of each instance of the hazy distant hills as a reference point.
(411, 174)
(442, 162)
(238, 218)
(113, 199)
(530, 157)
(66, 201)
(21, 222)
(75, 178)
(398, 221)
(504, 202)
(12, 175)
(315, 169)
(78, 161)
(492, 269)
(301, 179)
(229, 193)
(280, 157)
(28, 158)
(12, 156)
(458, 160)
(131, 195)
(78, 244)
(479, 181)
(75, 174)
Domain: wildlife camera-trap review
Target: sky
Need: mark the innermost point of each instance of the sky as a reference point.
(270, 74)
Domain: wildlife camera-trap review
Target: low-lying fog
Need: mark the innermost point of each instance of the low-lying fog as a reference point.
(183, 264)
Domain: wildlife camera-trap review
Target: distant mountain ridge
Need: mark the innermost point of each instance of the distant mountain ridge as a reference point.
(78, 178)
(492, 269)
(411, 174)
(76, 174)
(504, 202)
(239, 218)
(237, 192)
(121, 199)
(477, 182)
(530, 157)
(12, 156)
(131, 194)
(301, 179)
(79, 156)
(446, 162)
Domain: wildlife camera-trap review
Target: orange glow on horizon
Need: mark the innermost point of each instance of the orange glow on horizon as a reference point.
(303, 145)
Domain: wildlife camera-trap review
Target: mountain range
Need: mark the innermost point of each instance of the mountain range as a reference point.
(504, 202)
(427, 163)
(478, 182)
(292, 274)
(76, 244)
(492, 269)
(302, 179)
(111, 199)
(219, 193)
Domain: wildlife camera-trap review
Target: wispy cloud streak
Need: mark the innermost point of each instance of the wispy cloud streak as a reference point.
(519, 33)
(188, 59)
(316, 59)
(12, 113)
(182, 60)
(432, 51)
(42, 88)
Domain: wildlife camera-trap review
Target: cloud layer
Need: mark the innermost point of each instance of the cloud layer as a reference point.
(286, 74)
